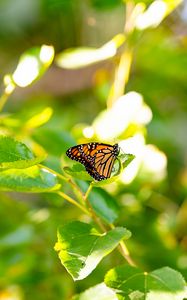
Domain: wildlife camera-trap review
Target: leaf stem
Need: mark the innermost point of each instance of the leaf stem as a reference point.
(72, 201)
(89, 210)
(88, 192)
(121, 77)
(77, 190)
(124, 251)
(53, 172)
(3, 100)
(69, 199)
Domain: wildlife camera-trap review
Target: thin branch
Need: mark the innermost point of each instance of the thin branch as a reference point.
(72, 201)
(54, 172)
(3, 100)
(90, 212)
(88, 192)
(124, 251)
(121, 77)
(77, 191)
(123, 69)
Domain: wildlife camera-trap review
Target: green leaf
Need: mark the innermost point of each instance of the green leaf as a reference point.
(104, 205)
(15, 154)
(132, 283)
(81, 247)
(32, 65)
(126, 159)
(30, 180)
(81, 57)
(98, 292)
(78, 171)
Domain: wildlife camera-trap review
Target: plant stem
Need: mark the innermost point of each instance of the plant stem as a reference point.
(3, 100)
(88, 192)
(90, 212)
(124, 251)
(54, 172)
(123, 69)
(72, 201)
(121, 77)
(122, 248)
(77, 190)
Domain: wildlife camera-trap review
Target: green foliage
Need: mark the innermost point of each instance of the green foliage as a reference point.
(80, 258)
(16, 155)
(138, 100)
(104, 205)
(105, 4)
(31, 180)
(78, 171)
(164, 283)
(19, 236)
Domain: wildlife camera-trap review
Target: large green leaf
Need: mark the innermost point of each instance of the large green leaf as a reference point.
(15, 154)
(98, 292)
(81, 247)
(104, 205)
(32, 180)
(132, 283)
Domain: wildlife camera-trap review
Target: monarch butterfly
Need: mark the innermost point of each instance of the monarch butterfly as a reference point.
(97, 158)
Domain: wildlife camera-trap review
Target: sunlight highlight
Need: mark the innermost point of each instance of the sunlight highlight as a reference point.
(32, 64)
(46, 54)
(128, 109)
(9, 84)
(134, 145)
(26, 71)
(152, 16)
(88, 132)
(145, 115)
(40, 216)
(84, 56)
(154, 161)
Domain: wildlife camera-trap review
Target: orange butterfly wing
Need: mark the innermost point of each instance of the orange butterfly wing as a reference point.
(97, 158)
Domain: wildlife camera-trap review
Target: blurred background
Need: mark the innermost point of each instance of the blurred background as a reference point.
(123, 80)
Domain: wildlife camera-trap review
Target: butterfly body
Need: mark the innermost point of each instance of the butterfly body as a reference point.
(98, 158)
